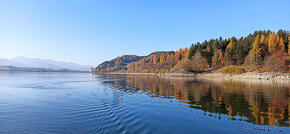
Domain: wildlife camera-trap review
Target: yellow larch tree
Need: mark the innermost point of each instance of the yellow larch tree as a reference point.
(185, 53)
(281, 45)
(273, 43)
(178, 55)
(230, 45)
(271, 47)
(162, 58)
(263, 39)
(258, 49)
(256, 45)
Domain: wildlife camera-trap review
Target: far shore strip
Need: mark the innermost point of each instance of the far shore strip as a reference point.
(260, 76)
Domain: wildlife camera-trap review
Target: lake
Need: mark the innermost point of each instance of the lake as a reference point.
(80, 103)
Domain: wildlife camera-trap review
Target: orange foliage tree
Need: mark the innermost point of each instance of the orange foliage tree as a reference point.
(155, 60)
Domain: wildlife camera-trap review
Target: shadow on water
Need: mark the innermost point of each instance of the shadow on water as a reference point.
(254, 101)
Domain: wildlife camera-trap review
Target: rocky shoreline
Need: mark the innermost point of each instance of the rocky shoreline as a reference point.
(259, 76)
(211, 75)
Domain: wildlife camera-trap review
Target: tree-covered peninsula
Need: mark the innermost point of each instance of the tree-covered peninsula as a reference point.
(261, 51)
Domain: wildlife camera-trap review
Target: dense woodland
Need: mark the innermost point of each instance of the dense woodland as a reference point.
(262, 51)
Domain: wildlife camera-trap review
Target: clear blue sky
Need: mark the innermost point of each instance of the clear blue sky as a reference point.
(91, 31)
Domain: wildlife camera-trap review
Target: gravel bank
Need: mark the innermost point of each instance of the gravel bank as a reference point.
(260, 76)
(210, 75)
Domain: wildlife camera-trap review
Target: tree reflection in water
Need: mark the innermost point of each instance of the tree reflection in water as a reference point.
(256, 101)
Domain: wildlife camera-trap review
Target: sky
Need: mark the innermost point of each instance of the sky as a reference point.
(89, 32)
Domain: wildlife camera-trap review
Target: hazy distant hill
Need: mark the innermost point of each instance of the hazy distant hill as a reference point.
(42, 63)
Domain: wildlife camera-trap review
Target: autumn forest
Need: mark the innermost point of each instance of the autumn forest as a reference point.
(262, 51)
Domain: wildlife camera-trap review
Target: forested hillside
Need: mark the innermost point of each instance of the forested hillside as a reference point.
(117, 64)
(262, 51)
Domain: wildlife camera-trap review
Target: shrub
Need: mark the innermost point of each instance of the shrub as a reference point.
(156, 71)
(163, 71)
(145, 71)
(276, 63)
(198, 62)
(232, 69)
(251, 63)
(182, 66)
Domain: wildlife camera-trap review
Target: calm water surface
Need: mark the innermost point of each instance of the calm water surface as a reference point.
(82, 103)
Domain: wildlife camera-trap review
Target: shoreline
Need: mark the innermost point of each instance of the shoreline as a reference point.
(13, 71)
(218, 75)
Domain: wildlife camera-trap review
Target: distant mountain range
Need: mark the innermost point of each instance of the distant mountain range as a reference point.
(24, 62)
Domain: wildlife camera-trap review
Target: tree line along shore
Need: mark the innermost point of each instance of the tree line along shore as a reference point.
(257, 53)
